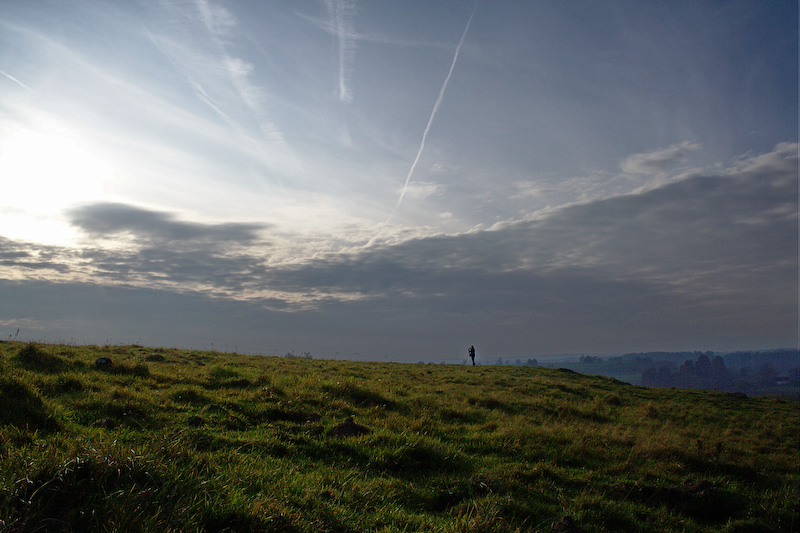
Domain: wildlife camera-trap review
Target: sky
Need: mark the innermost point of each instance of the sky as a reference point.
(384, 180)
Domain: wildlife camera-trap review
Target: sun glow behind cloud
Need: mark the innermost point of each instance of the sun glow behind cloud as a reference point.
(41, 173)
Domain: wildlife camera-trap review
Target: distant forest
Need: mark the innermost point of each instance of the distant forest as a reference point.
(747, 372)
(766, 372)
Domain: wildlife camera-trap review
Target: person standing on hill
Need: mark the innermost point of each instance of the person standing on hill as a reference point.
(472, 354)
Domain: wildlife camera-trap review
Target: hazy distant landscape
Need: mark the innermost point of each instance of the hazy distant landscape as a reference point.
(131, 438)
(762, 372)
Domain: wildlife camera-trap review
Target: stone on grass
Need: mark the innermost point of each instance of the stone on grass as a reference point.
(103, 362)
(348, 428)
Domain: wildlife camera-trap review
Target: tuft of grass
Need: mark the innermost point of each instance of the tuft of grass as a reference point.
(33, 356)
(21, 406)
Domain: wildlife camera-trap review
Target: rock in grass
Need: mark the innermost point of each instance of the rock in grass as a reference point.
(103, 362)
(348, 428)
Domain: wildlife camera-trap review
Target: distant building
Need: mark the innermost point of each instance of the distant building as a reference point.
(782, 379)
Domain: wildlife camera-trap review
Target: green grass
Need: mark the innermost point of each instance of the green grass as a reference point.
(173, 440)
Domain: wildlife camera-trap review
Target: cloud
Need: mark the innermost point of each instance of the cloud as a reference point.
(153, 227)
(217, 19)
(20, 260)
(709, 251)
(710, 259)
(658, 160)
(531, 189)
(424, 189)
(199, 41)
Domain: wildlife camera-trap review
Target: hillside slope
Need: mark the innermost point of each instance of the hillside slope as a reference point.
(163, 439)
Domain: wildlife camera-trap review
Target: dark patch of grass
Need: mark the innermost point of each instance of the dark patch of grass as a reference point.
(461, 416)
(226, 377)
(60, 385)
(359, 396)
(34, 357)
(283, 414)
(491, 404)
(122, 411)
(415, 459)
(21, 407)
(706, 505)
(139, 370)
(60, 495)
(190, 396)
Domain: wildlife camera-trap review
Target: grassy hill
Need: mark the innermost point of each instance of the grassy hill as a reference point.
(172, 440)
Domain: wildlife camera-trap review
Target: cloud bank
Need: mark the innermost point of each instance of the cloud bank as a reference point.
(709, 257)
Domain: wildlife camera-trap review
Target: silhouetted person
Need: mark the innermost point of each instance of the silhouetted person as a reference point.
(472, 354)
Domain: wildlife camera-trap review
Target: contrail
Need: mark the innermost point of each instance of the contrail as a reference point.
(341, 11)
(433, 113)
(15, 80)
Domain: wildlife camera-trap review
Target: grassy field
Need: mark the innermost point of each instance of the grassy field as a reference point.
(171, 440)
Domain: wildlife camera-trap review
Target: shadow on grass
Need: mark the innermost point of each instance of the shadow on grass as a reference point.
(32, 357)
(359, 396)
(701, 500)
(416, 460)
(22, 408)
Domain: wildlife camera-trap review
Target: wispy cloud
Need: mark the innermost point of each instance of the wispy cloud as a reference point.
(424, 189)
(658, 160)
(342, 16)
(198, 39)
(217, 19)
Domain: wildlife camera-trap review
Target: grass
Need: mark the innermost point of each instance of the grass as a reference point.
(173, 440)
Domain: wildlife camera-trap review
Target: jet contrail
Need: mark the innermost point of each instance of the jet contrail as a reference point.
(15, 80)
(341, 11)
(433, 113)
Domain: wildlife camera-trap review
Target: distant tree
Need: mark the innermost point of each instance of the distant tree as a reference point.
(703, 368)
(720, 378)
(531, 362)
(767, 374)
(649, 376)
(660, 376)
